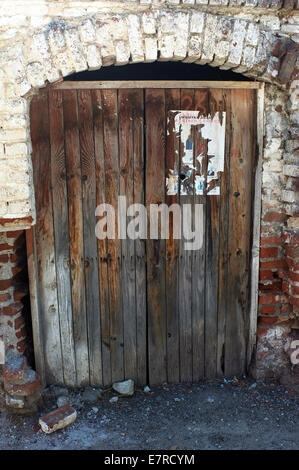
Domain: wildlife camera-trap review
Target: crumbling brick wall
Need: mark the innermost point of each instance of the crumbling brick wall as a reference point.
(42, 42)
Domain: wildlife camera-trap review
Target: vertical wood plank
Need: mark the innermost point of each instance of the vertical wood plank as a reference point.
(44, 235)
(73, 165)
(242, 149)
(211, 286)
(88, 172)
(35, 307)
(61, 231)
(111, 155)
(185, 266)
(102, 244)
(172, 245)
(198, 256)
(126, 104)
(140, 256)
(222, 103)
(155, 194)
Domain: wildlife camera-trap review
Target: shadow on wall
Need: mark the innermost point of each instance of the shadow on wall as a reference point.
(159, 71)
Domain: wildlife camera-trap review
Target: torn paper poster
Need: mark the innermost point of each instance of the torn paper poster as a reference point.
(172, 183)
(210, 143)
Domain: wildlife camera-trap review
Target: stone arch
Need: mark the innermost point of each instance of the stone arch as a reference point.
(65, 47)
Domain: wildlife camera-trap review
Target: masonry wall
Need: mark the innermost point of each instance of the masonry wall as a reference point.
(43, 41)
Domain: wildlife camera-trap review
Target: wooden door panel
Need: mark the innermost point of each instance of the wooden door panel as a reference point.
(143, 309)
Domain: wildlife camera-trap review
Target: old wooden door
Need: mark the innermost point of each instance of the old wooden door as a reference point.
(146, 309)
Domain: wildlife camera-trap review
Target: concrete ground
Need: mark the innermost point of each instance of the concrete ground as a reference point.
(214, 415)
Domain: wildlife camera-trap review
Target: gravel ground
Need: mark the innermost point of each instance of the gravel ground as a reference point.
(212, 415)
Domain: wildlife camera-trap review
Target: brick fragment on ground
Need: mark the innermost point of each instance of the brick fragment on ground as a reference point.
(58, 419)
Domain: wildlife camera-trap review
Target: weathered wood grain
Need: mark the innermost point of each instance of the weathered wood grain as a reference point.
(111, 156)
(74, 186)
(173, 100)
(201, 104)
(61, 231)
(155, 193)
(126, 104)
(242, 148)
(102, 244)
(44, 235)
(88, 177)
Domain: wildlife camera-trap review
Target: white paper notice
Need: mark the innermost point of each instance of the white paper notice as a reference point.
(212, 129)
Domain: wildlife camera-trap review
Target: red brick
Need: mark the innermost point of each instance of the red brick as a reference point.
(268, 309)
(14, 257)
(294, 290)
(272, 240)
(266, 275)
(285, 308)
(58, 419)
(262, 331)
(30, 387)
(293, 276)
(21, 346)
(21, 333)
(5, 284)
(291, 251)
(19, 294)
(3, 258)
(293, 263)
(4, 297)
(269, 252)
(285, 287)
(275, 285)
(14, 234)
(294, 301)
(278, 263)
(14, 371)
(275, 217)
(268, 320)
(17, 269)
(19, 323)
(268, 299)
(5, 247)
(13, 309)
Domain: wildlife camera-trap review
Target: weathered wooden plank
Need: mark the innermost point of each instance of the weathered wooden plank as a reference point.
(140, 256)
(220, 101)
(126, 104)
(69, 85)
(61, 231)
(37, 332)
(155, 193)
(73, 167)
(172, 98)
(255, 252)
(211, 285)
(88, 174)
(185, 266)
(102, 244)
(44, 235)
(198, 256)
(111, 155)
(242, 148)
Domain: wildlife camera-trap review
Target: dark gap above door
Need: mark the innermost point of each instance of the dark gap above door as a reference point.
(158, 71)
